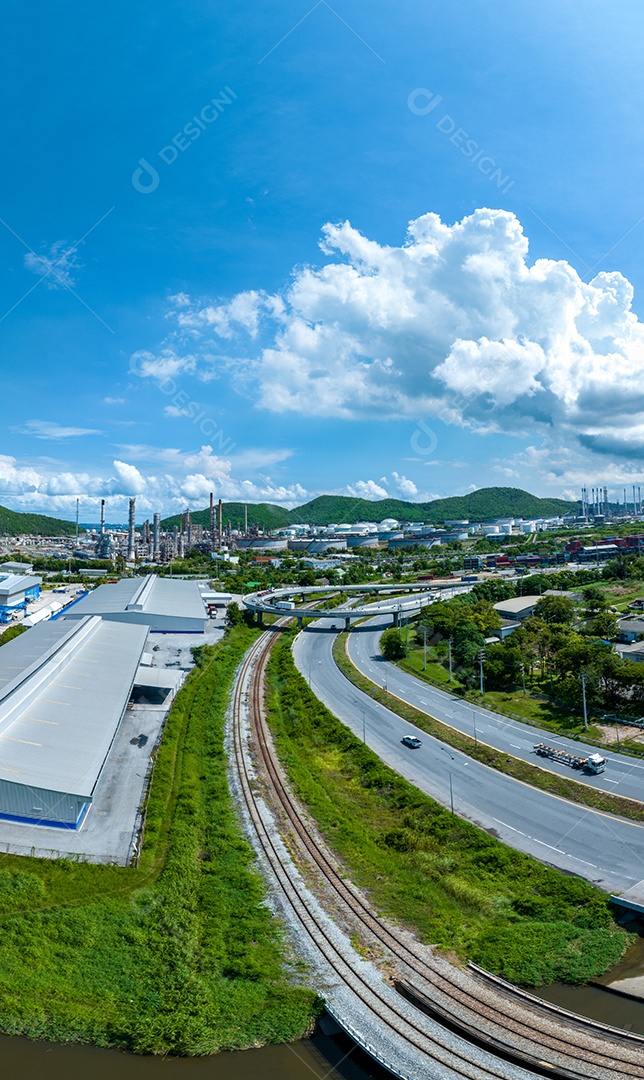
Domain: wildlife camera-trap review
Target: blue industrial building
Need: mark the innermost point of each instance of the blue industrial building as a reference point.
(15, 592)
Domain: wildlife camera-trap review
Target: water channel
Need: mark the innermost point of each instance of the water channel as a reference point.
(323, 1057)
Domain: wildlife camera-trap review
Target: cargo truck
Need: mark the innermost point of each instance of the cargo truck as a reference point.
(594, 763)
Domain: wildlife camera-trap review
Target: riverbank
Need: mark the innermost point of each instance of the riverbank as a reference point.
(178, 956)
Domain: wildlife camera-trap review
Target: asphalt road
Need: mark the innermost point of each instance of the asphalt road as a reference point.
(606, 850)
(624, 775)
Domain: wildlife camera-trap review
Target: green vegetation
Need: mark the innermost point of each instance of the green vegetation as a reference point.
(564, 786)
(11, 632)
(266, 515)
(545, 655)
(13, 523)
(463, 890)
(482, 505)
(179, 956)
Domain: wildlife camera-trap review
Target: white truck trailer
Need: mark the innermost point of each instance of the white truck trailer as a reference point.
(594, 763)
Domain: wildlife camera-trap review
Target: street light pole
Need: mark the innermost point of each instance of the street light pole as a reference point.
(424, 648)
(451, 790)
(449, 653)
(364, 728)
(481, 680)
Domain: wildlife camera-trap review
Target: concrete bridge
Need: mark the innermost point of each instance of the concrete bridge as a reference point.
(274, 601)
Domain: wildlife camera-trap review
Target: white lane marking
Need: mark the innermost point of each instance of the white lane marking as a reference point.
(516, 746)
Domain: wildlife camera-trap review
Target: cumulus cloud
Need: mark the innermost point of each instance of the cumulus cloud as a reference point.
(179, 478)
(456, 322)
(406, 488)
(366, 489)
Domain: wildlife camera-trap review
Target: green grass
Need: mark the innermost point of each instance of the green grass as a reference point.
(459, 887)
(179, 956)
(565, 787)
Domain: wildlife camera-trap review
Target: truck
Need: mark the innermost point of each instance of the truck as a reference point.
(285, 605)
(594, 763)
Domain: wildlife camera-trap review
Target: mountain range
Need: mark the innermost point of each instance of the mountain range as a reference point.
(482, 505)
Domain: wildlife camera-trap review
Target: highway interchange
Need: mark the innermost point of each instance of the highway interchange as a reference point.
(604, 849)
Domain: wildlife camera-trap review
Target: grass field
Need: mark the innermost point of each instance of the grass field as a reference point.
(463, 890)
(179, 956)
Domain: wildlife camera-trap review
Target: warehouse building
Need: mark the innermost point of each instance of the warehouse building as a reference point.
(15, 592)
(64, 688)
(518, 607)
(165, 605)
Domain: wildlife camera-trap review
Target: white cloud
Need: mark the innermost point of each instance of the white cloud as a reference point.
(58, 266)
(455, 323)
(114, 400)
(407, 488)
(366, 489)
(130, 480)
(50, 429)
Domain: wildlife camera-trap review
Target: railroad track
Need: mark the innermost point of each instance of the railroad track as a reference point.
(510, 1039)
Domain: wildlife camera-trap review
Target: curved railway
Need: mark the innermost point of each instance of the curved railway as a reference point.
(517, 1039)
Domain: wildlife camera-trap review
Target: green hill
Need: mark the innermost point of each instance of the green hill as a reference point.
(266, 515)
(13, 523)
(482, 505)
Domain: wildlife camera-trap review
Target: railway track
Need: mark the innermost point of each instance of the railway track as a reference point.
(474, 1030)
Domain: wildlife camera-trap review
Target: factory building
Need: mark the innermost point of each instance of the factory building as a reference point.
(64, 687)
(15, 592)
(165, 605)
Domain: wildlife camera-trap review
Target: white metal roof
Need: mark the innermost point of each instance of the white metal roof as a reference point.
(151, 595)
(12, 584)
(63, 689)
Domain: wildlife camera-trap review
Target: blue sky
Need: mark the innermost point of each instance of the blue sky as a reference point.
(199, 338)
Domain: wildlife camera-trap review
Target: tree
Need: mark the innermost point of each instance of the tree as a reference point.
(392, 645)
(603, 625)
(594, 599)
(234, 615)
(555, 609)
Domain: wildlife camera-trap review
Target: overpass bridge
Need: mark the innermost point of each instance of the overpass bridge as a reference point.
(283, 601)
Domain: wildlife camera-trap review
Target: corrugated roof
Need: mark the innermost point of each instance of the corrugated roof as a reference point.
(63, 688)
(152, 595)
(10, 584)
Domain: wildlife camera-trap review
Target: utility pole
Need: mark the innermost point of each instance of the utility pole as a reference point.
(424, 648)
(364, 728)
(583, 695)
(449, 654)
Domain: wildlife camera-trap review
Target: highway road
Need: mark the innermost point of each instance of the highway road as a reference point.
(606, 850)
(624, 775)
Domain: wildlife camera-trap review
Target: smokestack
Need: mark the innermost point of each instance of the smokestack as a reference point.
(156, 536)
(131, 549)
(188, 529)
(245, 520)
(221, 521)
(102, 516)
(212, 520)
